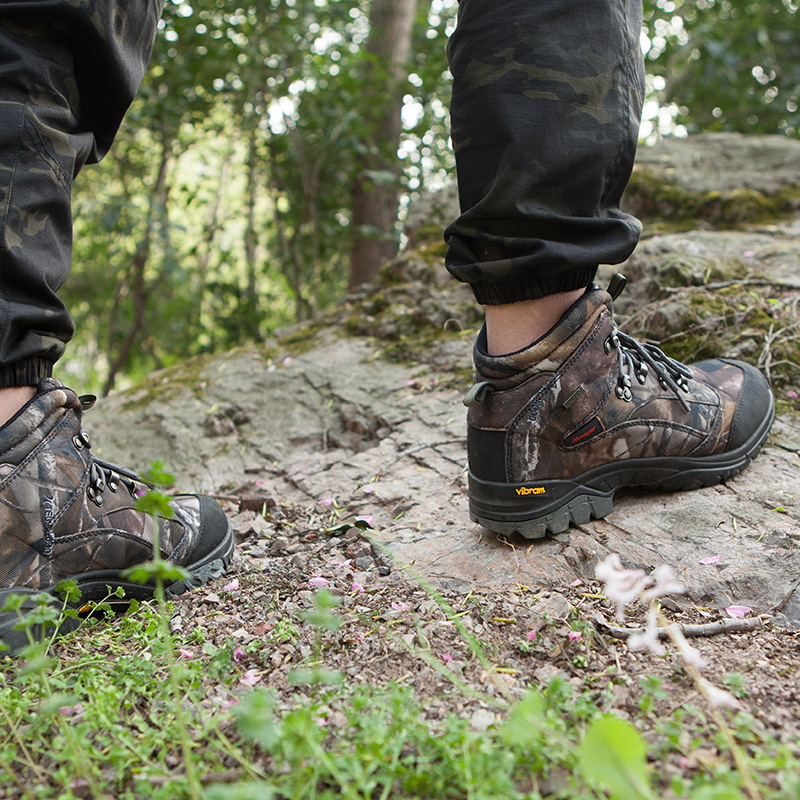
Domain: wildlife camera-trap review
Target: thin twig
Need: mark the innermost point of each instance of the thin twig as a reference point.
(779, 606)
(702, 629)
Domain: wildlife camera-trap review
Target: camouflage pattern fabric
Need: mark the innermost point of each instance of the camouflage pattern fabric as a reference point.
(62, 515)
(545, 115)
(69, 70)
(557, 401)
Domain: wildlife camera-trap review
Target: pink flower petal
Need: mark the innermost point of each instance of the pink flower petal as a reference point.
(319, 581)
(400, 606)
(184, 653)
(357, 587)
(791, 394)
(368, 489)
(710, 559)
(343, 564)
(232, 586)
(250, 678)
(531, 636)
(446, 657)
(574, 636)
(366, 518)
(738, 611)
(328, 501)
(238, 654)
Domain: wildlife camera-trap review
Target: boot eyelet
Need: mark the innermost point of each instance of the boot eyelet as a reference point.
(627, 395)
(79, 445)
(113, 486)
(620, 392)
(607, 345)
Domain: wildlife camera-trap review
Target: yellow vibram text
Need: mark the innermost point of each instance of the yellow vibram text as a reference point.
(523, 490)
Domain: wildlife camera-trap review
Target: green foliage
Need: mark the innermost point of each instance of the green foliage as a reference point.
(613, 753)
(223, 210)
(727, 65)
(123, 717)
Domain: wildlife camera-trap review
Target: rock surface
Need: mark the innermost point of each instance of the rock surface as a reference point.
(385, 438)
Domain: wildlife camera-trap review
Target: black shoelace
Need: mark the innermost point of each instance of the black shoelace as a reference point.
(104, 474)
(638, 359)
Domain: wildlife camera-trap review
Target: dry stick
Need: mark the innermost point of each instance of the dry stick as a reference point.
(703, 629)
(779, 606)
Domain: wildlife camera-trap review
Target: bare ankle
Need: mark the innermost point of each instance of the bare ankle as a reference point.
(514, 326)
(12, 398)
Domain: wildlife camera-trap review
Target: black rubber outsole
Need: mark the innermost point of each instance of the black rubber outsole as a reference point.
(535, 509)
(94, 587)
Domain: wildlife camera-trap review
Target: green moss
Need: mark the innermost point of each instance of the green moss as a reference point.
(300, 339)
(167, 384)
(732, 322)
(669, 206)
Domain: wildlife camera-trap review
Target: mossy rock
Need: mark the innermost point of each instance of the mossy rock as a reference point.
(657, 201)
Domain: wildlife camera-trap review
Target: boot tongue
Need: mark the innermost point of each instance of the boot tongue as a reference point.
(35, 420)
(548, 353)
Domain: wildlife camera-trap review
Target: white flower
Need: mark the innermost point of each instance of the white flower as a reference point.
(718, 698)
(648, 640)
(622, 586)
(690, 655)
(665, 584)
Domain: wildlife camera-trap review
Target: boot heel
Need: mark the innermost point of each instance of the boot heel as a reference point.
(533, 510)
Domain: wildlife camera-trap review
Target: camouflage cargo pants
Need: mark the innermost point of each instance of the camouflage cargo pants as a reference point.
(68, 71)
(545, 117)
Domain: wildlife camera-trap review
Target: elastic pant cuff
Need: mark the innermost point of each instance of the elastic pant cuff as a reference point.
(531, 286)
(25, 373)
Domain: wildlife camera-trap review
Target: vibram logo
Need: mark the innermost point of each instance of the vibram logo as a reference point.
(524, 490)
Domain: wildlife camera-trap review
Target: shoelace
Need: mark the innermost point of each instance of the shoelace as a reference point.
(104, 474)
(638, 359)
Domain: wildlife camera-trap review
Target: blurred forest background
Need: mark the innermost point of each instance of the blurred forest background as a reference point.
(267, 163)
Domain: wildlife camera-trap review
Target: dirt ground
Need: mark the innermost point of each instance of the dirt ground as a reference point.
(396, 630)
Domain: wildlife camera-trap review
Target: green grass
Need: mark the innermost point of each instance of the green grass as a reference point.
(126, 716)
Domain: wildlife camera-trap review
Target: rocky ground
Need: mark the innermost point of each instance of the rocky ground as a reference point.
(339, 452)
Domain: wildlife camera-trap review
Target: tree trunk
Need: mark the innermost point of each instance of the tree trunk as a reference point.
(376, 186)
(140, 288)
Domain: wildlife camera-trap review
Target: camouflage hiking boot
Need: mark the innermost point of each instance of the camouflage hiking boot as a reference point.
(555, 429)
(66, 514)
